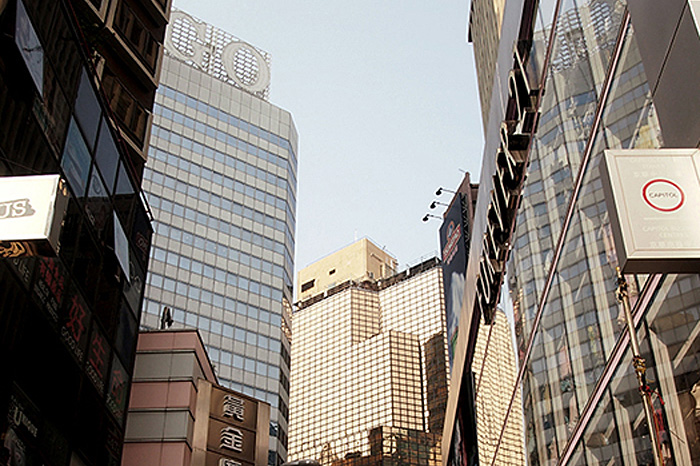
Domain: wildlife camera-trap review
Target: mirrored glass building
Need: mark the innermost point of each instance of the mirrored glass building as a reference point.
(68, 315)
(573, 79)
(221, 179)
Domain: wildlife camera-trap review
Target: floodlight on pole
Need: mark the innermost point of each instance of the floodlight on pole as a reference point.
(441, 189)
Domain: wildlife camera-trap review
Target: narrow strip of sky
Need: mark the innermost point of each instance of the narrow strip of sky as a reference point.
(384, 97)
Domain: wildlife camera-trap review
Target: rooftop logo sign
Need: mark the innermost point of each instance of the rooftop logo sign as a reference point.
(218, 53)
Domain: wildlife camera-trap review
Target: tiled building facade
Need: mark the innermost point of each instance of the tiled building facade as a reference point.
(369, 371)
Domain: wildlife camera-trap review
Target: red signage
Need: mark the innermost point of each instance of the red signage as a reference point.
(118, 389)
(50, 285)
(75, 323)
(97, 358)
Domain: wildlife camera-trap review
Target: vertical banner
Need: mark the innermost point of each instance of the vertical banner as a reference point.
(453, 246)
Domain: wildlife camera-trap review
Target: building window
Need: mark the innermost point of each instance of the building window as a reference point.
(308, 285)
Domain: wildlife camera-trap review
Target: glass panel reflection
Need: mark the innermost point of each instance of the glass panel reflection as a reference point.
(76, 160)
(107, 156)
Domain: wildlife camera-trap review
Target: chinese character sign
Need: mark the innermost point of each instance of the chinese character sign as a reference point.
(234, 407)
(231, 439)
(97, 358)
(75, 321)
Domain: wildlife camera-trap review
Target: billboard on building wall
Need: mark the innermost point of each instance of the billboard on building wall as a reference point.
(31, 212)
(453, 247)
(653, 197)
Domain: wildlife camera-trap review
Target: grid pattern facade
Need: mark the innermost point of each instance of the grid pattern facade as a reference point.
(494, 359)
(221, 180)
(580, 398)
(359, 369)
(485, 20)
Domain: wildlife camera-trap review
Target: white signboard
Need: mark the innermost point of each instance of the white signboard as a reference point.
(32, 209)
(653, 197)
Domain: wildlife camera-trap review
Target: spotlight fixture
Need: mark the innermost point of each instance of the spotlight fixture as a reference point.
(440, 190)
(429, 216)
(437, 203)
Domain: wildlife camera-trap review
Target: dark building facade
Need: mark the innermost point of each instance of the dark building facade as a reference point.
(577, 78)
(68, 321)
(125, 42)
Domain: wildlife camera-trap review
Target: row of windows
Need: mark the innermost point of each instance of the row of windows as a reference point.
(214, 223)
(208, 297)
(239, 209)
(227, 358)
(184, 187)
(193, 266)
(227, 117)
(217, 327)
(189, 166)
(225, 138)
(258, 393)
(217, 156)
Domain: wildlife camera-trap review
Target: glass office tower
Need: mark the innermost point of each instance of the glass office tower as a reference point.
(601, 74)
(369, 372)
(221, 179)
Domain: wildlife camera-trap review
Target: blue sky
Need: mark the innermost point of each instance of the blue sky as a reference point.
(384, 97)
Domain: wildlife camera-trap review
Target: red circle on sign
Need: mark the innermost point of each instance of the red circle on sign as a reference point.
(648, 197)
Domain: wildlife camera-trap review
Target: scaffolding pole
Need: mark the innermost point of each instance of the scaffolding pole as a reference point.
(639, 364)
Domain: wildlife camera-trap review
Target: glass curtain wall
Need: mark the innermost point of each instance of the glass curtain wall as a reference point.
(581, 403)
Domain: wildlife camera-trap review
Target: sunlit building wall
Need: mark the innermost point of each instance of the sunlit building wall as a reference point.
(606, 75)
(221, 180)
(484, 31)
(369, 371)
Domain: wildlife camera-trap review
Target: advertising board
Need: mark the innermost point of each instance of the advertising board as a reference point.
(453, 247)
(652, 197)
(32, 209)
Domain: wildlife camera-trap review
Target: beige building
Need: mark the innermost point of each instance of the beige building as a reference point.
(495, 358)
(369, 366)
(360, 261)
(485, 20)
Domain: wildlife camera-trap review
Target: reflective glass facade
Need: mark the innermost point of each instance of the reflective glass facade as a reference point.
(221, 179)
(580, 398)
(369, 372)
(69, 321)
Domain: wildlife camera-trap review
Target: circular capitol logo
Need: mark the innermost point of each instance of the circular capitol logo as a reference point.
(663, 195)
